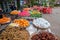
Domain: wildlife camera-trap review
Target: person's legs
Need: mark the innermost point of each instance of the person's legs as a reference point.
(1, 16)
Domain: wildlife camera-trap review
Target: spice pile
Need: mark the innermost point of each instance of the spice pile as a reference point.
(44, 36)
(14, 33)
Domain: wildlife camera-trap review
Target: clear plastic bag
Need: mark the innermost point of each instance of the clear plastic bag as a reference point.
(41, 23)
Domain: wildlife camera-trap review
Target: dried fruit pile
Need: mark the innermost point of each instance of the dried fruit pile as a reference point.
(44, 36)
(15, 12)
(4, 20)
(36, 13)
(22, 22)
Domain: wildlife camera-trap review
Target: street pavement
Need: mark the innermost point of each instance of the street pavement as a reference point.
(54, 19)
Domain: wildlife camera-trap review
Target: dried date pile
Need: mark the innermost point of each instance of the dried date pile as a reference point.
(44, 36)
(14, 33)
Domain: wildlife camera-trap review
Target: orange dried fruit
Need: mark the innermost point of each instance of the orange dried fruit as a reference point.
(4, 20)
(22, 22)
(14, 12)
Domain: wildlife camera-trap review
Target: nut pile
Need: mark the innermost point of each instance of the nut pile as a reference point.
(44, 36)
(14, 33)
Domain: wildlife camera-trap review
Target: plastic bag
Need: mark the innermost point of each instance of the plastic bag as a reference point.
(41, 23)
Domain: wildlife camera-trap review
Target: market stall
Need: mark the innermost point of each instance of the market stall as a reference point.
(29, 26)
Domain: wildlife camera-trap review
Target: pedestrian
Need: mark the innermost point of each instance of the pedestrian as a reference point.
(12, 7)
